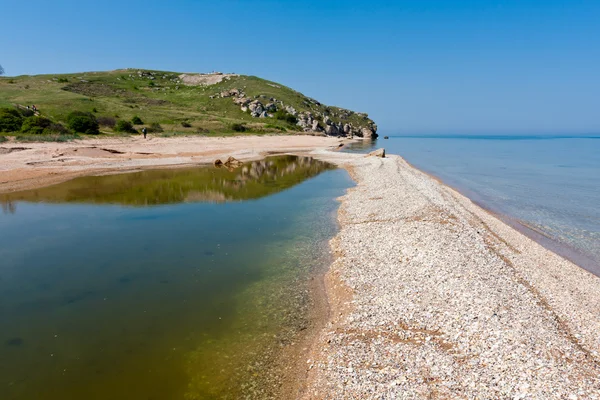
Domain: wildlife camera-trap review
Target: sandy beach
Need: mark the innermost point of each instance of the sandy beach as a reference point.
(30, 165)
(430, 296)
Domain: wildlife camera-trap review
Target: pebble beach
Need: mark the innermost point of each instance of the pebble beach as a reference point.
(433, 297)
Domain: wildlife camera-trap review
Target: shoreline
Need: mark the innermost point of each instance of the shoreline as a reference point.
(410, 252)
(434, 296)
(554, 245)
(33, 165)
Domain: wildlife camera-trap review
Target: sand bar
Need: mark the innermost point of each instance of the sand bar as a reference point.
(433, 297)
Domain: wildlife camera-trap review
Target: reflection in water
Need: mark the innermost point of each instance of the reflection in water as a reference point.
(182, 301)
(251, 181)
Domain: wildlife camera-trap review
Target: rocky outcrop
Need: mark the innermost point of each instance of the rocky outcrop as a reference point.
(317, 120)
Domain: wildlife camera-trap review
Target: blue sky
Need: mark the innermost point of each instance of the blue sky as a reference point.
(415, 66)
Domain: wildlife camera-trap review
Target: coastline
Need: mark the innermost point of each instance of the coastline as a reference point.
(432, 296)
(428, 294)
(33, 165)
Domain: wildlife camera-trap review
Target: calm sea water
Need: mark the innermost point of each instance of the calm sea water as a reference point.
(166, 284)
(549, 183)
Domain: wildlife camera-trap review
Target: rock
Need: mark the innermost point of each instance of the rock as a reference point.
(367, 133)
(218, 163)
(232, 162)
(331, 130)
(264, 114)
(327, 120)
(271, 107)
(291, 110)
(315, 126)
(386, 137)
(377, 153)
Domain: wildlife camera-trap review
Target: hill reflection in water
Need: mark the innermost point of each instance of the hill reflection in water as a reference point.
(253, 180)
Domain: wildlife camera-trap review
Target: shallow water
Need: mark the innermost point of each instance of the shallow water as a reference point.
(550, 183)
(167, 284)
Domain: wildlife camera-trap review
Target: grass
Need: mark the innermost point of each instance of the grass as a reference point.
(3, 139)
(165, 102)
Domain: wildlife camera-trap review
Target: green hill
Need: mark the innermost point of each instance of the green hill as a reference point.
(168, 103)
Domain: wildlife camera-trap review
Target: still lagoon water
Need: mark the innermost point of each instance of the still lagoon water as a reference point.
(165, 284)
(550, 183)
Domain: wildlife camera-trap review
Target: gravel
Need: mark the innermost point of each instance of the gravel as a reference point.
(433, 297)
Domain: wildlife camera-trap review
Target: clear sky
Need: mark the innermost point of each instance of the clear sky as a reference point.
(463, 66)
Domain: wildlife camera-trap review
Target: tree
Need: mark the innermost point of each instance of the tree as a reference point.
(1, 70)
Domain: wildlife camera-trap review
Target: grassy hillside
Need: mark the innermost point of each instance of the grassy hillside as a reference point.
(163, 101)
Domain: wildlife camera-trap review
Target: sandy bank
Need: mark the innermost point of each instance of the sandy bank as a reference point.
(432, 297)
(30, 165)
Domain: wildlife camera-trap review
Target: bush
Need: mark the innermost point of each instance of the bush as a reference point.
(3, 139)
(82, 122)
(56, 129)
(137, 121)
(108, 122)
(35, 125)
(94, 110)
(11, 120)
(186, 124)
(238, 128)
(155, 128)
(285, 116)
(62, 80)
(124, 126)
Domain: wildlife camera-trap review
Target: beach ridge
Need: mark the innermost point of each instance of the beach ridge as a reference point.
(434, 297)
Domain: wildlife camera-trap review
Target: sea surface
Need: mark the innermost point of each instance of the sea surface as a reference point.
(163, 284)
(549, 183)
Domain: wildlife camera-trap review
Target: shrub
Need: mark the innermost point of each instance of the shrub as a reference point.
(283, 115)
(137, 120)
(82, 122)
(62, 80)
(124, 126)
(56, 129)
(94, 110)
(108, 122)
(35, 125)
(238, 128)
(26, 112)
(11, 120)
(186, 124)
(155, 128)
(3, 139)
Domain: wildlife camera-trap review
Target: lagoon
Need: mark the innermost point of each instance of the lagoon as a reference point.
(177, 283)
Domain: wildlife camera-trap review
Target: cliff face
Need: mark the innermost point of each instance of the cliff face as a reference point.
(213, 103)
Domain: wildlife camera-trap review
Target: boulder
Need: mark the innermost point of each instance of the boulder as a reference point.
(232, 162)
(377, 153)
(218, 163)
(271, 107)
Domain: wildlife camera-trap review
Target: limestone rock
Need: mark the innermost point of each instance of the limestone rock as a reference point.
(377, 153)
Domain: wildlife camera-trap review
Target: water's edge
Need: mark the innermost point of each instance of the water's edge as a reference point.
(555, 246)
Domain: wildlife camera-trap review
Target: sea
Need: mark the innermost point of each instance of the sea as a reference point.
(548, 186)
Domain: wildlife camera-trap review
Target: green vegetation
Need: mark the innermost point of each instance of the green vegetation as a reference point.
(83, 122)
(35, 125)
(11, 120)
(124, 127)
(238, 127)
(145, 97)
(137, 120)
